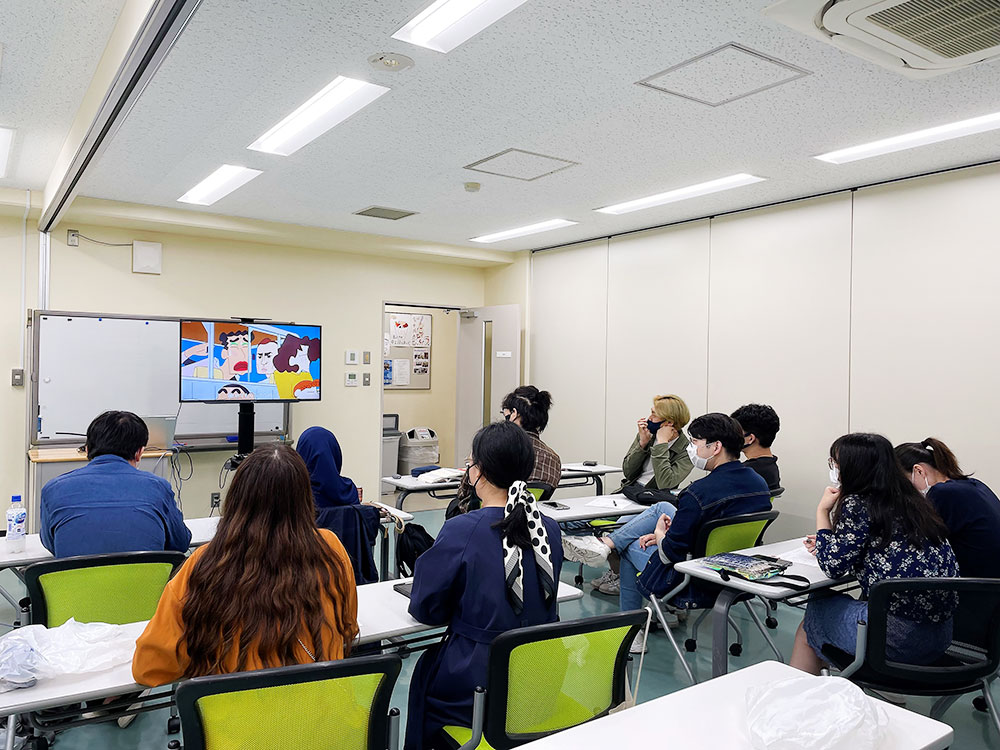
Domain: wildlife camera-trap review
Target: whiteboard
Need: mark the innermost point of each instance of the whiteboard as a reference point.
(85, 364)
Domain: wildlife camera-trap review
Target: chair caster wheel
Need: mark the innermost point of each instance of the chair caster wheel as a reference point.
(771, 623)
(690, 645)
(979, 703)
(39, 743)
(173, 725)
(174, 745)
(578, 580)
(736, 649)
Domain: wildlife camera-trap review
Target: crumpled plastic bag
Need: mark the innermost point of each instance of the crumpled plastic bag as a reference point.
(819, 713)
(35, 652)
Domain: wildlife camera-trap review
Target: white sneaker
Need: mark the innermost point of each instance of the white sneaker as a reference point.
(600, 581)
(588, 550)
(611, 587)
(639, 643)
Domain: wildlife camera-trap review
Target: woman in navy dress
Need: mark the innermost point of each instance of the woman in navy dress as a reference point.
(490, 570)
(872, 524)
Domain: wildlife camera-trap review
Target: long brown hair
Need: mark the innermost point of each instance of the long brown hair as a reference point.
(261, 582)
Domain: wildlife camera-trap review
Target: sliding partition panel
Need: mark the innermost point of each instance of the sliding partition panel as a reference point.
(780, 335)
(926, 325)
(568, 339)
(657, 325)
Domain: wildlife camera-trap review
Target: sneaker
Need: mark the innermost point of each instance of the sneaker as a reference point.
(612, 586)
(588, 550)
(639, 643)
(600, 581)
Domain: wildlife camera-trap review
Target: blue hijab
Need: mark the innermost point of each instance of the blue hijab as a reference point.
(321, 452)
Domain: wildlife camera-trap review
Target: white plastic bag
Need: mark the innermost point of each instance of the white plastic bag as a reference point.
(819, 713)
(36, 652)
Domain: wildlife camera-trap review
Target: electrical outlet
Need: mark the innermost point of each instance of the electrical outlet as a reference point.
(17, 378)
(73, 238)
(216, 499)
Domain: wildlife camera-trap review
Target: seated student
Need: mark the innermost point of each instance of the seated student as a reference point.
(658, 457)
(109, 505)
(873, 524)
(269, 590)
(730, 489)
(529, 407)
(760, 424)
(321, 452)
(968, 507)
(490, 570)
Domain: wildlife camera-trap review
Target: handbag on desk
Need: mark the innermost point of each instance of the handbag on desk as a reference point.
(756, 568)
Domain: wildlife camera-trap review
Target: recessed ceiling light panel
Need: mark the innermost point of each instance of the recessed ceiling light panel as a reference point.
(337, 101)
(219, 184)
(682, 194)
(913, 140)
(542, 226)
(6, 142)
(445, 24)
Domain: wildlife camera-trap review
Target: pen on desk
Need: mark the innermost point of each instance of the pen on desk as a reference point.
(614, 503)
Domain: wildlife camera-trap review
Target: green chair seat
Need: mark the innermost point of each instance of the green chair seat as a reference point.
(461, 735)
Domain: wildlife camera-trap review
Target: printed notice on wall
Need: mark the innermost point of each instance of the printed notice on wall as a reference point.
(386, 372)
(421, 361)
(400, 372)
(385, 346)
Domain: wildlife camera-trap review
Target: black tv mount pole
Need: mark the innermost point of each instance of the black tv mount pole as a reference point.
(245, 433)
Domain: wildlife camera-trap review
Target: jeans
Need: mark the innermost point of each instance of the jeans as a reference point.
(634, 559)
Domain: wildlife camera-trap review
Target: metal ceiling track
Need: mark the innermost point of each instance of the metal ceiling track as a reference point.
(160, 30)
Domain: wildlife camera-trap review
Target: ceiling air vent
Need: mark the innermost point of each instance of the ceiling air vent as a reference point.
(381, 212)
(918, 38)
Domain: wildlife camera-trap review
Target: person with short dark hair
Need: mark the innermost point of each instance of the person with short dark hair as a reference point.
(760, 424)
(969, 508)
(109, 505)
(489, 571)
(529, 407)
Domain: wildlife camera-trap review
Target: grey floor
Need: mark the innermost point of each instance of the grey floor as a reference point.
(661, 674)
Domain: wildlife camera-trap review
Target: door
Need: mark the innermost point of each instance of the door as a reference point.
(489, 367)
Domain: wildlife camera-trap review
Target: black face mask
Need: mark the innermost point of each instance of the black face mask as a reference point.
(653, 426)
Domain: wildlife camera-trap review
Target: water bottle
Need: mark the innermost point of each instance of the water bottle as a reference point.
(17, 519)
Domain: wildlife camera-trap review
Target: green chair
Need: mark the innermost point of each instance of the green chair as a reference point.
(546, 678)
(117, 588)
(540, 490)
(714, 538)
(342, 705)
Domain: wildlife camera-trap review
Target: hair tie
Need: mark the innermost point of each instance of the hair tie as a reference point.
(518, 495)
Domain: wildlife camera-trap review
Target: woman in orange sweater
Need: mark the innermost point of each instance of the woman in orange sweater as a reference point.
(269, 590)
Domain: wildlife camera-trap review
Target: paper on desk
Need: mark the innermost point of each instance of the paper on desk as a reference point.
(440, 475)
(800, 556)
(609, 502)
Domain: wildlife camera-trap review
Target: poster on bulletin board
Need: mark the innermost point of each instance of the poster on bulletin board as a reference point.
(406, 351)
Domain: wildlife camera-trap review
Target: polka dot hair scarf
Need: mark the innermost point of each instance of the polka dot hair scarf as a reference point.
(513, 572)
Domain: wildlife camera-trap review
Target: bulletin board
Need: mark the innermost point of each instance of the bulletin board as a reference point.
(406, 351)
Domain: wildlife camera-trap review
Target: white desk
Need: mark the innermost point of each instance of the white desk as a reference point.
(571, 473)
(714, 714)
(586, 509)
(735, 590)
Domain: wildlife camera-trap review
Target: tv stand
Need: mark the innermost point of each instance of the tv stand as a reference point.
(244, 437)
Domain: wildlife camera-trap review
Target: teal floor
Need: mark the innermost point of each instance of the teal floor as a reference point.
(661, 674)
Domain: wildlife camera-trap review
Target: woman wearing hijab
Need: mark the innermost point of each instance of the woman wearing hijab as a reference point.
(490, 570)
(321, 452)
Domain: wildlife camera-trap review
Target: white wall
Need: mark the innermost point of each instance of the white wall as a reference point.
(873, 310)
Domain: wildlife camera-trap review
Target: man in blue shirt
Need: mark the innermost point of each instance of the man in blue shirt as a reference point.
(109, 505)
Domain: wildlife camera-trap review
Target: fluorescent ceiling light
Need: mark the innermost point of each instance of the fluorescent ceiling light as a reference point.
(340, 99)
(542, 226)
(445, 24)
(219, 184)
(682, 194)
(912, 140)
(6, 141)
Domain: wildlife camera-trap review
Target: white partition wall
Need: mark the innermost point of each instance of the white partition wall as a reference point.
(780, 334)
(568, 336)
(657, 325)
(926, 325)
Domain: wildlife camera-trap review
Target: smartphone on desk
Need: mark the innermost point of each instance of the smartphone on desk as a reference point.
(554, 505)
(406, 589)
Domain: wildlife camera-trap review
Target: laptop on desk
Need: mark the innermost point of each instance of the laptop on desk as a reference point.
(161, 432)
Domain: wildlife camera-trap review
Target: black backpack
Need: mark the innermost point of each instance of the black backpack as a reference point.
(412, 543)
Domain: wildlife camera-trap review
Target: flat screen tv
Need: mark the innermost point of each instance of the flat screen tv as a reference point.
(225, 360)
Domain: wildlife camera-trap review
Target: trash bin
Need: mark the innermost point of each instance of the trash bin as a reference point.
(418, 447)
(390, 449)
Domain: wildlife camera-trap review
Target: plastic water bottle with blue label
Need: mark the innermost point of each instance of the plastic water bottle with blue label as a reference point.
(17, 521)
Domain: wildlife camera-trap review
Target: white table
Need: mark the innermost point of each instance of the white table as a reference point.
(735, 590)
(714, 714)
(591, 507)
(571, 473)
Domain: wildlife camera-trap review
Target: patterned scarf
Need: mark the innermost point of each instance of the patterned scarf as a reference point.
(513, 572)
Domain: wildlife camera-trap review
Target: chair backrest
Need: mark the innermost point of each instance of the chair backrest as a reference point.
(546, 678)
(340, 705)
(117, 588)
(776, 493)
(540, 490)
(733, 533)
(974, 651)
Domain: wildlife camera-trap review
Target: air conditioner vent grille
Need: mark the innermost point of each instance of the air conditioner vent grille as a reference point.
(951, 28)
(381, 212)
